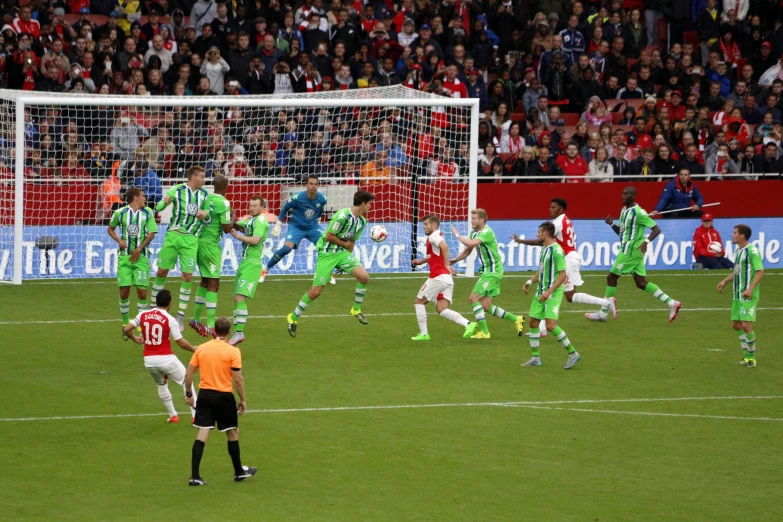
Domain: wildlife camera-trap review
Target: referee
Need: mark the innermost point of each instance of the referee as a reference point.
(220, 366)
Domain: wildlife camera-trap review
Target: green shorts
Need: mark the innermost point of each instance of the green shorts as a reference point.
(629, 264)
(182, 246)
(247, 278)
(744, 310)
(328, 261)
(549, 309)
(488, 284)
(209, 259)
(133, 274)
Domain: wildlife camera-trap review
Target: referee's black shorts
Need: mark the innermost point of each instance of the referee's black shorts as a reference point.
(216, 407)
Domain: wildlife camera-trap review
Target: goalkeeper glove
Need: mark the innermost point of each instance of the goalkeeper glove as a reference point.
(277, 229)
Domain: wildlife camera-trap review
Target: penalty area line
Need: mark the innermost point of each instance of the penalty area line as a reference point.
(649, 413)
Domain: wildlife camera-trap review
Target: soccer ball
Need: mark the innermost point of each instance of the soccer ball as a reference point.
(378, 233)
(715, 247)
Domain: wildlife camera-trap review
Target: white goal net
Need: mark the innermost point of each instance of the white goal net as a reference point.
(66, 161)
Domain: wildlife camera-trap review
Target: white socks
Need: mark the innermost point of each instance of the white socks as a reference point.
(589, 299)
(165, 396)
(454, 317)
(421, 317)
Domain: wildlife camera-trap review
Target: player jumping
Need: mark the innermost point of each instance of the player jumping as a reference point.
(190, 206)
(490, 270)
(210, 256)
(440, 286)
(137, 230)
(335, 250)
(306, 208)
(157, 325)
(565, 237)
(255, 230)
(748, 271)
(630, 260)
(551, 277)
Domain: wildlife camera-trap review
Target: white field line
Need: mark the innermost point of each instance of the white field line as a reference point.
(652, 413)
(524, 404)
(395, 314)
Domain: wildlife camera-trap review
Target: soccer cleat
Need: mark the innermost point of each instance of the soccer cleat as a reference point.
(520, 325)
(543, 332)
(201, 329)
(181, 322)
(247, 473)
(674, 309)
(573, 358)
(237, 338)
(192, 421)
(480, 335)
(360, 316)
(333, 281)
(173, 420)
(137, 331)
(291, 325)
(264, 272)
(421, 337)
(470, 329)
(197, 481)
(534, 361)
(613, 307)
(748, 363)
(596, 316)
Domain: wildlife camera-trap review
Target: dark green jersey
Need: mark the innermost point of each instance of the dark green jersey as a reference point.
(551, 262)
(747, 261)
(488, 253)
(185, 205)
(633, 221)
(259, 227)
(134, 227)
(344, 225)
(219, 210)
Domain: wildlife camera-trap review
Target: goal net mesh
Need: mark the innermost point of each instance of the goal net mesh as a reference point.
(80, 156)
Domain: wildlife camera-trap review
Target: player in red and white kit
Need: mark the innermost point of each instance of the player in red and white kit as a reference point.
(440, 286)
(566, 238)
(157, 327)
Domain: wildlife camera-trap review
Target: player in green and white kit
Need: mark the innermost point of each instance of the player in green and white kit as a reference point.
(630, 260)
(748, 271)
(137, 230)
(491, 273)
(335, 250)
(255, 230)
(210, 256)
(190, 206)
(545, 307)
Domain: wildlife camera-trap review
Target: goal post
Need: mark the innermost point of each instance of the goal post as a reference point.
(62, 156)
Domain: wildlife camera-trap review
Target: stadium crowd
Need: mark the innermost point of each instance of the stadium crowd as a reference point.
(578, 90)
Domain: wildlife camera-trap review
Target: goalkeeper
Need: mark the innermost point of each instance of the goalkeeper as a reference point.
(306, 208)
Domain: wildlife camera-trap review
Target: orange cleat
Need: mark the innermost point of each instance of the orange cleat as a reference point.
(173, 420)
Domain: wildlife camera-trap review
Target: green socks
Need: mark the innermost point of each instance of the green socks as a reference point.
(142, 305)
(562, 338)
(240, 316)
(502, 314)
(201, 301)
(534, 335)
(184, 297)
(361, 289)
(750, 340)
(611, 291)
(157, 286)
(124, 309)
(481, 319)
(656, 292)
(304, 302)
(211, 308)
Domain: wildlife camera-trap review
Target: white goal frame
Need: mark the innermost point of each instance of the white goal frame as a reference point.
(372, 97)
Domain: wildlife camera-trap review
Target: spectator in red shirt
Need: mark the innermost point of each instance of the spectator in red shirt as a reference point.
(574, 166)
(25, 24)
(72, 168)
(452, 85)
(702, 238)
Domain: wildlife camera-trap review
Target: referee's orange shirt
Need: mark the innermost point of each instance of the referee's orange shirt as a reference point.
(215, 360)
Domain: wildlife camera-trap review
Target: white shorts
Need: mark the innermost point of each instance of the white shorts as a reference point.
(161, 365)
(434, 289)
(573, 277)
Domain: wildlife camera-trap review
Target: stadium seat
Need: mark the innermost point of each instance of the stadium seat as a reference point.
(663, 33)
(517, 116)
(691, 37)
(571, 118)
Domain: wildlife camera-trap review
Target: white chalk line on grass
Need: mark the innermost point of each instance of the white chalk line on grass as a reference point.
(524, 404)
(648, 413)
(394, 314)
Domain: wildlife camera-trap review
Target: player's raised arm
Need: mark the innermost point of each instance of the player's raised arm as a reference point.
(530, 242)
(610, 221)
(166, 201)
(470, 243)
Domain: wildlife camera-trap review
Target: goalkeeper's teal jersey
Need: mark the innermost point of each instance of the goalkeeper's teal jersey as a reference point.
(344, 225)
(747, 261)
(259, 227)
(185, 205)
(551, 262)
(633, 221)
(134, 227)
(488, 253)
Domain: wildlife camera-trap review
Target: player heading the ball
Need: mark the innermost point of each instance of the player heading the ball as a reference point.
(335, 251)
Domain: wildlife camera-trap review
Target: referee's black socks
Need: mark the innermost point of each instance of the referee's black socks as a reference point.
(233, 450)
(195, 463)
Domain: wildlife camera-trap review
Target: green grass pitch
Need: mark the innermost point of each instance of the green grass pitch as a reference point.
(352, 422)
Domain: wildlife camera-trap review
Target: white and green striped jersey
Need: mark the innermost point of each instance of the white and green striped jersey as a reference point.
(488, 253)
(344, 225)
(633, 221)
(259, 227)
(747, 261)
(185, 205)
(551, 262)
(134, 227)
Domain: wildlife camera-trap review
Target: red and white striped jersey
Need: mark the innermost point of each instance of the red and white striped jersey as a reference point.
(157, 327)
(437, 265)
(564, 234)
